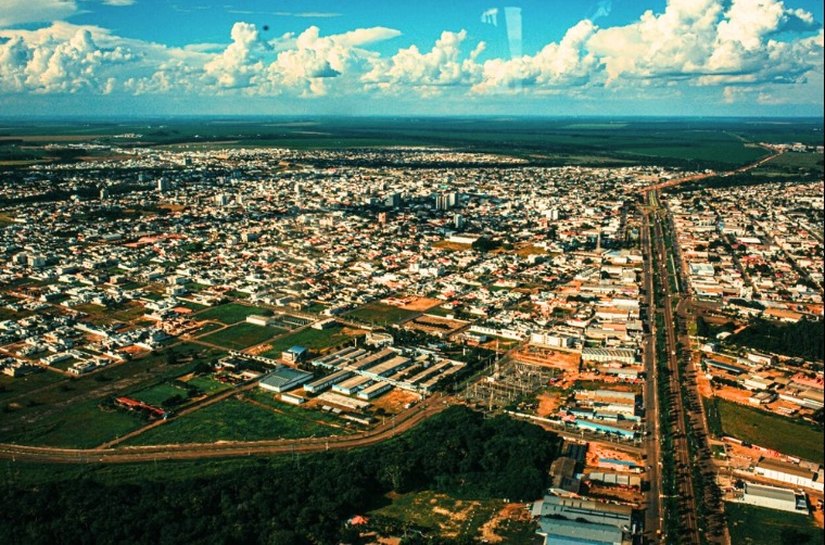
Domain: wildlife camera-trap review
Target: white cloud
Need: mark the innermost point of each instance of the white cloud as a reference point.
(17, 12)
(745, 48)
(119, 3)
(442, 66)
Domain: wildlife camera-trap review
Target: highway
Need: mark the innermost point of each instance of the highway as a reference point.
(696, 177)
(194, 451)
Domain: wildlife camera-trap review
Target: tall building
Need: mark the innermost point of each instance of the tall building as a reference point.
(445, 201)
(164, 185)
(393, 200)
(221, 199)
(104, 193)
(458, 221)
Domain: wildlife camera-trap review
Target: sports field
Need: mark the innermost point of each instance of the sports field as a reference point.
(240, 336)
(229, 313)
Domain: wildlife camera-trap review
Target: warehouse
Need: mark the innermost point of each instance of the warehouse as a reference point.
(283, 379)
(321, 384)
(374, 390)
(772, 497)
(351, 385)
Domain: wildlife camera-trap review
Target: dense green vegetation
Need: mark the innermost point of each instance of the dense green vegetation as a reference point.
(803, 339)
(751, 525)
(690, 143)
(766, 429)
(282, 500)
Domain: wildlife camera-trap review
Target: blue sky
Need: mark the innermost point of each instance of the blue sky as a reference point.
(428, 57)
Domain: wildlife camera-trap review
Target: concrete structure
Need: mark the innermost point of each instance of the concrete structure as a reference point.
(790, 473)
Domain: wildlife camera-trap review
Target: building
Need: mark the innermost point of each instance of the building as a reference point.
(294, 354)
(794, 474)
(571, 532)
(772, 497)
(283, 379)
(164, 185)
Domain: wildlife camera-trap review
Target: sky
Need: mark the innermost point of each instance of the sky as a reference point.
(424, 57)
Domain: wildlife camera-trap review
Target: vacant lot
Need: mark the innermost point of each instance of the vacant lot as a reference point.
(493, 520)
(751, 525)
(379, 313)
(230, 313)
(771, 431)
(231, 420)
(240, 336)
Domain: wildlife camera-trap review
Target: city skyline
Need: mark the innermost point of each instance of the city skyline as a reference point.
(123, 57)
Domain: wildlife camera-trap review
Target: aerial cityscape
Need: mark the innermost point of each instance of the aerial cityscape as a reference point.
(314, 272)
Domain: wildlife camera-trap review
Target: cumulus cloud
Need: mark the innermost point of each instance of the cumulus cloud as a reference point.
(60, 58)
(745, 48)
(441, 66)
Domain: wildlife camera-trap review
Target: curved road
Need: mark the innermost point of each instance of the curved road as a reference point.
(192, 451)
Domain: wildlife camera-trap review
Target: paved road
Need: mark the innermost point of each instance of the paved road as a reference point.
(695, 177)
(193, 451)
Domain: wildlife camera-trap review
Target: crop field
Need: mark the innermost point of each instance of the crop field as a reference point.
(379, 313)
(771, 431)
(229, 313)
(751, 525)
(313, 339)
(231, 420)
(240, 336)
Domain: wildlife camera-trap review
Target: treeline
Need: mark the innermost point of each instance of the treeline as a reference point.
(803, 339)
(286, 500)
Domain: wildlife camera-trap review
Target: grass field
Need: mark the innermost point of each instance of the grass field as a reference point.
(771, 431)
(230, 313)
(81, 425)
(49, 409)
(231, 420)
(301, 413)
(208, 385)
(751, 525)
(313, 339)
(240, 336)
(156, 395)
(379, 313)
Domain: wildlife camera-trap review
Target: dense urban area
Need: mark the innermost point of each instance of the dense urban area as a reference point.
(409, 344)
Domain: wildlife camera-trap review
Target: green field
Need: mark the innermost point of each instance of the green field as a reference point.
(229, 313)
(379, 313)
(49, 409)
(208, 385)
(313, 339)
(81, 425)
(771, 431)
(751, 525)
(158, 394)
(231, 420)
(240, 336)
